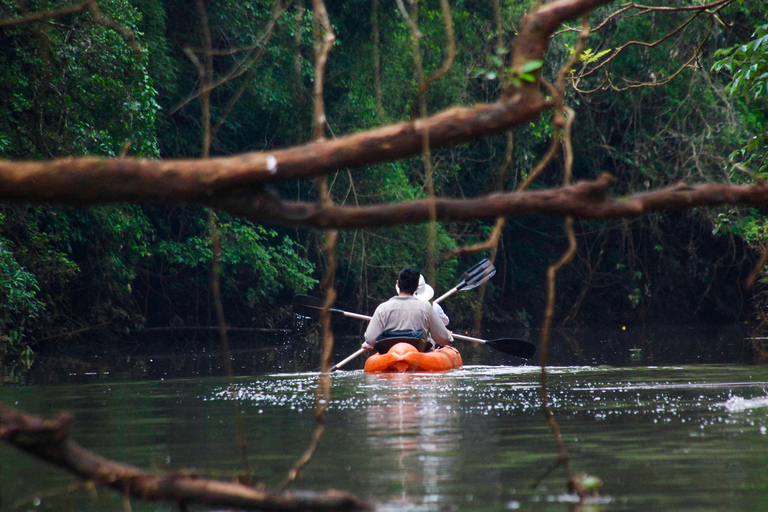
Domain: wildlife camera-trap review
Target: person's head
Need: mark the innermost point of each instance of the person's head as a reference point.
(408, 280)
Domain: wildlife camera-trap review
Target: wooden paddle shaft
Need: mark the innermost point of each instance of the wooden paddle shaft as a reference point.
(468, 338)
(366, 317)
(447, 294)
(355, 315)
(339, 365)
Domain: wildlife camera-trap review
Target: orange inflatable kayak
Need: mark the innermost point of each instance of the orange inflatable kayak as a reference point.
(404, 357)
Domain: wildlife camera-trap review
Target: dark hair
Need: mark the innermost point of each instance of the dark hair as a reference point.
(408, 280)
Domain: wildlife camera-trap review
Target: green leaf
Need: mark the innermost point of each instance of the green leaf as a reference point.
(528, 77)
(532, 65)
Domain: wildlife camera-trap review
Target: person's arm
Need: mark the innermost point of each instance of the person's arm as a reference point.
(374, 329)
(440, 334)
(441, 314)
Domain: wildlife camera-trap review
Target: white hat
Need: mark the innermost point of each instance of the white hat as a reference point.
(424, 291)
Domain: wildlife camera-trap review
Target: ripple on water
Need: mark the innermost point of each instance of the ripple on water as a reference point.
(740, 404)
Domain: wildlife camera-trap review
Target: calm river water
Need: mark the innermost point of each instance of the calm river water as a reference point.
(671, 437)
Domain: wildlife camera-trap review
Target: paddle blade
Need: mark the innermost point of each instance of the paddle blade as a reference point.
(511, 346)
(476, 275)
(311, 307)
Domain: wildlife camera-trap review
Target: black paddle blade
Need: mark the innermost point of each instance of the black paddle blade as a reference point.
(476, 275)
(311, 307)
(511, 346)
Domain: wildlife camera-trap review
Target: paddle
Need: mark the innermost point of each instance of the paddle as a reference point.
(305, 305)
(472, 278)
(511, 346)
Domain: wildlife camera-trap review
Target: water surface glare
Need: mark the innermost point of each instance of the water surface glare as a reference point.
(677, 438)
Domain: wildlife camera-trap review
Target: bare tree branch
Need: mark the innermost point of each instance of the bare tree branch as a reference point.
(90, 180)
(38, 16)
(377, 90)
(88, 5)
(255, 53)
(324, 40)
(584, 200)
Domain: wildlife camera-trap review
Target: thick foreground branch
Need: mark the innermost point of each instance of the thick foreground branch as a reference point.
(81, 181)
(48, 439)
(584, 200)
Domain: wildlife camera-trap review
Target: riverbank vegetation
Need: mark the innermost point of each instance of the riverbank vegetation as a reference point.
(76, 87)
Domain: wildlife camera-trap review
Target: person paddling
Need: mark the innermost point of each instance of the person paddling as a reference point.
(406, 315)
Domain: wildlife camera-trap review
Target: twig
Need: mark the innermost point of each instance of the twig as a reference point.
(564, 117)
(449, 59)
(323, 44)
(205, 99)
(241, 67)
(46, 15)
(89, 5)
(750, 282)
(411, 24)
(251, 66)
(377, 90)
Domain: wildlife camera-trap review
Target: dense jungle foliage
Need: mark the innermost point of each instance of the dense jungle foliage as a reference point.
(74, 87)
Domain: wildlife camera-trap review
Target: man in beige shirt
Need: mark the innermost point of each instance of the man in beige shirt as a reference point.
(406, 315)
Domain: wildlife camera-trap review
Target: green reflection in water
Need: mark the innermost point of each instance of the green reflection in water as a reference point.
(661, 438)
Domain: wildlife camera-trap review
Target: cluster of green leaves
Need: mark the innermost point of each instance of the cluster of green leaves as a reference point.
(256, 262)
(74, 87)
(746, 66)
(18, 290)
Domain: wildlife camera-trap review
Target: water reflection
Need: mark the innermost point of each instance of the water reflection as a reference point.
(673, 438)
(416, 431)
(152, 356)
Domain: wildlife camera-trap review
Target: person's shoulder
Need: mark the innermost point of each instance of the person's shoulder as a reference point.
(424, 305)
(387, 303)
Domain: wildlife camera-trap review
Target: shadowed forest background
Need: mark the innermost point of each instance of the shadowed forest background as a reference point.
(72, 87)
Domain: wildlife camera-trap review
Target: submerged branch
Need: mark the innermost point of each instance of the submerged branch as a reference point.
(48, 440)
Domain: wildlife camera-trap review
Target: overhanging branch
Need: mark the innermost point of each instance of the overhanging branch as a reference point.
(584, 200)
(81, 181)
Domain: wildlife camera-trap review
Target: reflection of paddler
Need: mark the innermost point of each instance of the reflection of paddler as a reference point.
(406, 315)
(413, 425)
